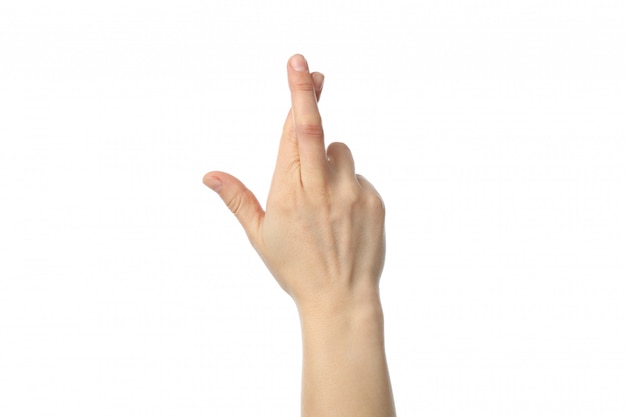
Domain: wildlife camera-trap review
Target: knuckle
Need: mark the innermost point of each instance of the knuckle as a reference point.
(310, 128)
(235, 203)
(289, 134)
(303, 84)
(339, 153)
(375, 203)
(338, 147)
(293, 168)
(346, 196)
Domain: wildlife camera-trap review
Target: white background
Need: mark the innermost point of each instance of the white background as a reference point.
(494, 130)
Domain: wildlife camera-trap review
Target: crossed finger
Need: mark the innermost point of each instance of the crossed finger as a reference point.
(306, 123)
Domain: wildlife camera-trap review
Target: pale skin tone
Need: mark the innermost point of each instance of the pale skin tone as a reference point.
(322, 238)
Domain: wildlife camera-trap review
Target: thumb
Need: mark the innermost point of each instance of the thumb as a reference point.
(239, 199)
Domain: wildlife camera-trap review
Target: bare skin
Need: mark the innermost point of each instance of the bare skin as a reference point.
(322, 238)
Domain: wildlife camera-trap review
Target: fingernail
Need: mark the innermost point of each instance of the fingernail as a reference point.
(298, 63)
(213, 183)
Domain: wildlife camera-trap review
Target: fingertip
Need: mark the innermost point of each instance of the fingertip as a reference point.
(239, 200)
(209, 175)
(298, 63)
(318, 80)
(212, 181)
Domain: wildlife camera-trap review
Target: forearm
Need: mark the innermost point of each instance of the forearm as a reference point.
(344, 370)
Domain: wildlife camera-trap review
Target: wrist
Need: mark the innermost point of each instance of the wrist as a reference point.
(344, 368)
(338, 312)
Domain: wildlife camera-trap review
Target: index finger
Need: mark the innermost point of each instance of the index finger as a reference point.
(307, 122)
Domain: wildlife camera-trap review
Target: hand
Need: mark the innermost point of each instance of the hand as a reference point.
(322, 234)
(322, 237)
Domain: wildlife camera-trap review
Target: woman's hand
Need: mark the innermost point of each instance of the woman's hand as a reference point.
(322, 234)
(322, 237)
